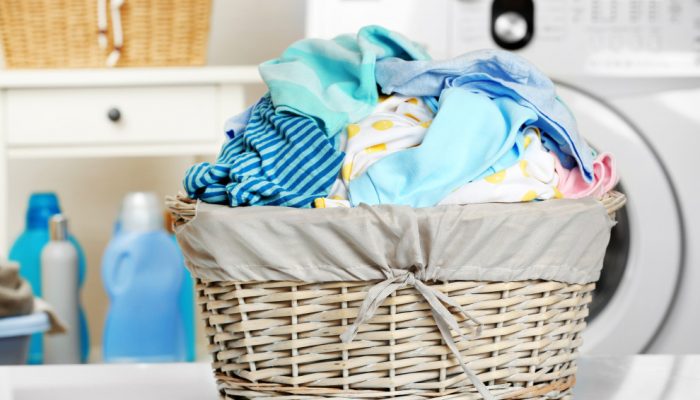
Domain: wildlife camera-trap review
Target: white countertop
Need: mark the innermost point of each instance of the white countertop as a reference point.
(647, 377)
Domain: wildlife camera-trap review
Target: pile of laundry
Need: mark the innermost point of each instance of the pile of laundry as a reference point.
(372, 119)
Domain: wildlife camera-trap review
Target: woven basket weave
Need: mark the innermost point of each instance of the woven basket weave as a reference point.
(63, 33)
(281, 339)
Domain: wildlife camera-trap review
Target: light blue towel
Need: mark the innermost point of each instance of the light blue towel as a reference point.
(333, 81)
(279, 159)
(498, 74)
(471, 136)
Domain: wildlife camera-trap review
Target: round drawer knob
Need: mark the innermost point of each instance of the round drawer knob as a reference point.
(114, 114)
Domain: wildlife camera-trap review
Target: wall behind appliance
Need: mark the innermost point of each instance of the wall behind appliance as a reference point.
(248, 32)
(252, 31)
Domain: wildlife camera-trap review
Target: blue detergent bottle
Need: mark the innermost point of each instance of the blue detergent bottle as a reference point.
(27, 251)
(185, 299)
(142, 274)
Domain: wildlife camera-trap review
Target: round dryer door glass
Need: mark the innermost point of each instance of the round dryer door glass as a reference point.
(643, 260)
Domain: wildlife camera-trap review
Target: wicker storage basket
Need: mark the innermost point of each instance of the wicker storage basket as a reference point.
(281, 339)
(64, 33)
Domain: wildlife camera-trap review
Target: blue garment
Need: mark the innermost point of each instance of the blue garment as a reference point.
(333, 80)
(497, 74)
(237, 123)
(472, 136)
(280, 159)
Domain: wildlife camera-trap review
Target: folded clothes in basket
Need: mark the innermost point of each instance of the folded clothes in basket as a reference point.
(448, 128)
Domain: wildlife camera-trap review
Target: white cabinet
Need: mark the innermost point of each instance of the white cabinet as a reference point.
(50, 115)
(128, 115)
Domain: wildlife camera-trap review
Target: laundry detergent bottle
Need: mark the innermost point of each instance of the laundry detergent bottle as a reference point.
(186, 297)
(142, 274)
(27, 252)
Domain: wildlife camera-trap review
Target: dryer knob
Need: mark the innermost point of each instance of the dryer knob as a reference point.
(512, 23)
(510, 27)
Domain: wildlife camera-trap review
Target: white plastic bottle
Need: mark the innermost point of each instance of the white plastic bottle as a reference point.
(59, 279)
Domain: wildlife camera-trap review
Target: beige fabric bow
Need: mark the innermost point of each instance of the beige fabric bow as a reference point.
(399, 279)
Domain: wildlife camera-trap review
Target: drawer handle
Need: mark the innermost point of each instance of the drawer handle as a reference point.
(114, 114)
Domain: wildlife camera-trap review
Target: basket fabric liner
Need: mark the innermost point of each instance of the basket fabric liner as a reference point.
(563, 240)
(400, 246)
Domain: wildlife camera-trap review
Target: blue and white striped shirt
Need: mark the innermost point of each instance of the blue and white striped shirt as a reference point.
(279, 159)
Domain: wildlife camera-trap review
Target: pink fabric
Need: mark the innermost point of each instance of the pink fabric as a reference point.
(571, 183)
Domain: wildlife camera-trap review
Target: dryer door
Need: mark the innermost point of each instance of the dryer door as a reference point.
(642, 267)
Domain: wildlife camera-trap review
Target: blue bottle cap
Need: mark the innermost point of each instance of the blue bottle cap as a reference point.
(41, 207)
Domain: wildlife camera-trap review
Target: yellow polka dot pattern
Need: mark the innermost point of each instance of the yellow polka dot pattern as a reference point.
(529, 195)
(425, 124)
(382, 125)
(412, 100)
(346, 171)
(558, 194)
(353, 130)
(523, 168)
(413, 117)
(528, 140)
(320, 203)
(496, 178)
(376, 148)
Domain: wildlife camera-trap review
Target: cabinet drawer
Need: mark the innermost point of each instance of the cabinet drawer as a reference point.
(138, 115)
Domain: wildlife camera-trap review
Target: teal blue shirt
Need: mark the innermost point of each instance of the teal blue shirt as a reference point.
(333, 81)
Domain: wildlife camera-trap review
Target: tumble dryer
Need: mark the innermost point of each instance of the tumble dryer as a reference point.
(630, 72)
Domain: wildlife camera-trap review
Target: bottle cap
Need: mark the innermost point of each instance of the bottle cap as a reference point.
(41, 207)
(58, 227)
(141, 212)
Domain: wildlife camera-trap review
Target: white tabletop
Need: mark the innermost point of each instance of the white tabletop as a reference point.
(647, 377)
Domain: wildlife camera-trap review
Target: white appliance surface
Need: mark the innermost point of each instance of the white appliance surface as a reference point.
(630, 72)
(662, 377)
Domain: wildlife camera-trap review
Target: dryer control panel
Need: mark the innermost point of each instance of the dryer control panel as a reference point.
(565, 37)
(608, 37)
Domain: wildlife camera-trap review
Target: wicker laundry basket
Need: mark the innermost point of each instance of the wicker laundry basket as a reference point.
(64, 33)
(281, 338)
